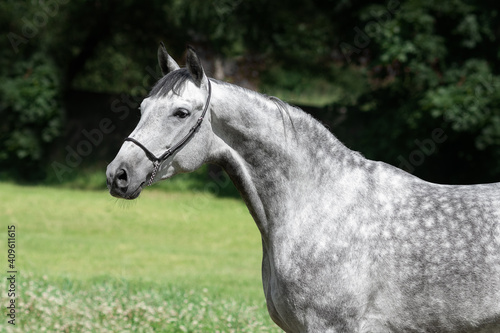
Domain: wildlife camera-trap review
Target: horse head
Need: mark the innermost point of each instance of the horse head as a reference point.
(172, 135)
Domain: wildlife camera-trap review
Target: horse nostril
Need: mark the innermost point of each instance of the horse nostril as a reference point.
(121, 178)
(121, 175)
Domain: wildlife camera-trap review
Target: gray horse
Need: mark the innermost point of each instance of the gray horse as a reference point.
(349, 244)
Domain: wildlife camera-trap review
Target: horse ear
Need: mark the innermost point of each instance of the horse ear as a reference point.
(167, 63)
(194, 66)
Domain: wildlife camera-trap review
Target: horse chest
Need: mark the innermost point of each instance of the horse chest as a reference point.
(307, 285)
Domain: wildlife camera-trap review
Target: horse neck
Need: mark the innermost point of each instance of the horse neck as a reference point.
(272, 151)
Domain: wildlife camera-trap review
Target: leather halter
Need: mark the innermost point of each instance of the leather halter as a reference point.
(158, 160)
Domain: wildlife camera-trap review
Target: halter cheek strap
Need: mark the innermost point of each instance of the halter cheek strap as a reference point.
(158, 160)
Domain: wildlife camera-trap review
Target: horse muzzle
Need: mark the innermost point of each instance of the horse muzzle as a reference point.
(120, 182)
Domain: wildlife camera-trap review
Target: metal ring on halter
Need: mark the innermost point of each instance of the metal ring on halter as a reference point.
(158, 160)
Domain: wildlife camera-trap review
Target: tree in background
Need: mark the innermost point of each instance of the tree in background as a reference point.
(433, 66)
(45, 48)
(389, 72)
(30, 98)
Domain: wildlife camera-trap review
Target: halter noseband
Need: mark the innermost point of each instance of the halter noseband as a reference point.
(158, 160)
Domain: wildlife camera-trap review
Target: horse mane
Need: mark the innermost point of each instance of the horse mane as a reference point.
(170, 82)
(298, 119)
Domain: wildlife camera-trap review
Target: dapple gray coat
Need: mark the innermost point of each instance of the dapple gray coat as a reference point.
(349, 245)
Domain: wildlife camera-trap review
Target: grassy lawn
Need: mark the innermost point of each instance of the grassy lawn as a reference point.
(167, 262)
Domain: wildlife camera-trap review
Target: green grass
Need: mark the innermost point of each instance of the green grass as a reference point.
(124, 307)
(172, 261)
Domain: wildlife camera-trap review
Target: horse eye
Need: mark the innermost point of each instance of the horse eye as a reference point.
(181, 113)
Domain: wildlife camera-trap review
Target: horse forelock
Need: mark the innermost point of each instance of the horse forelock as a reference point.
(170, 82)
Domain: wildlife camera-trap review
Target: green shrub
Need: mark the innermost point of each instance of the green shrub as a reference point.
(31, 114)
